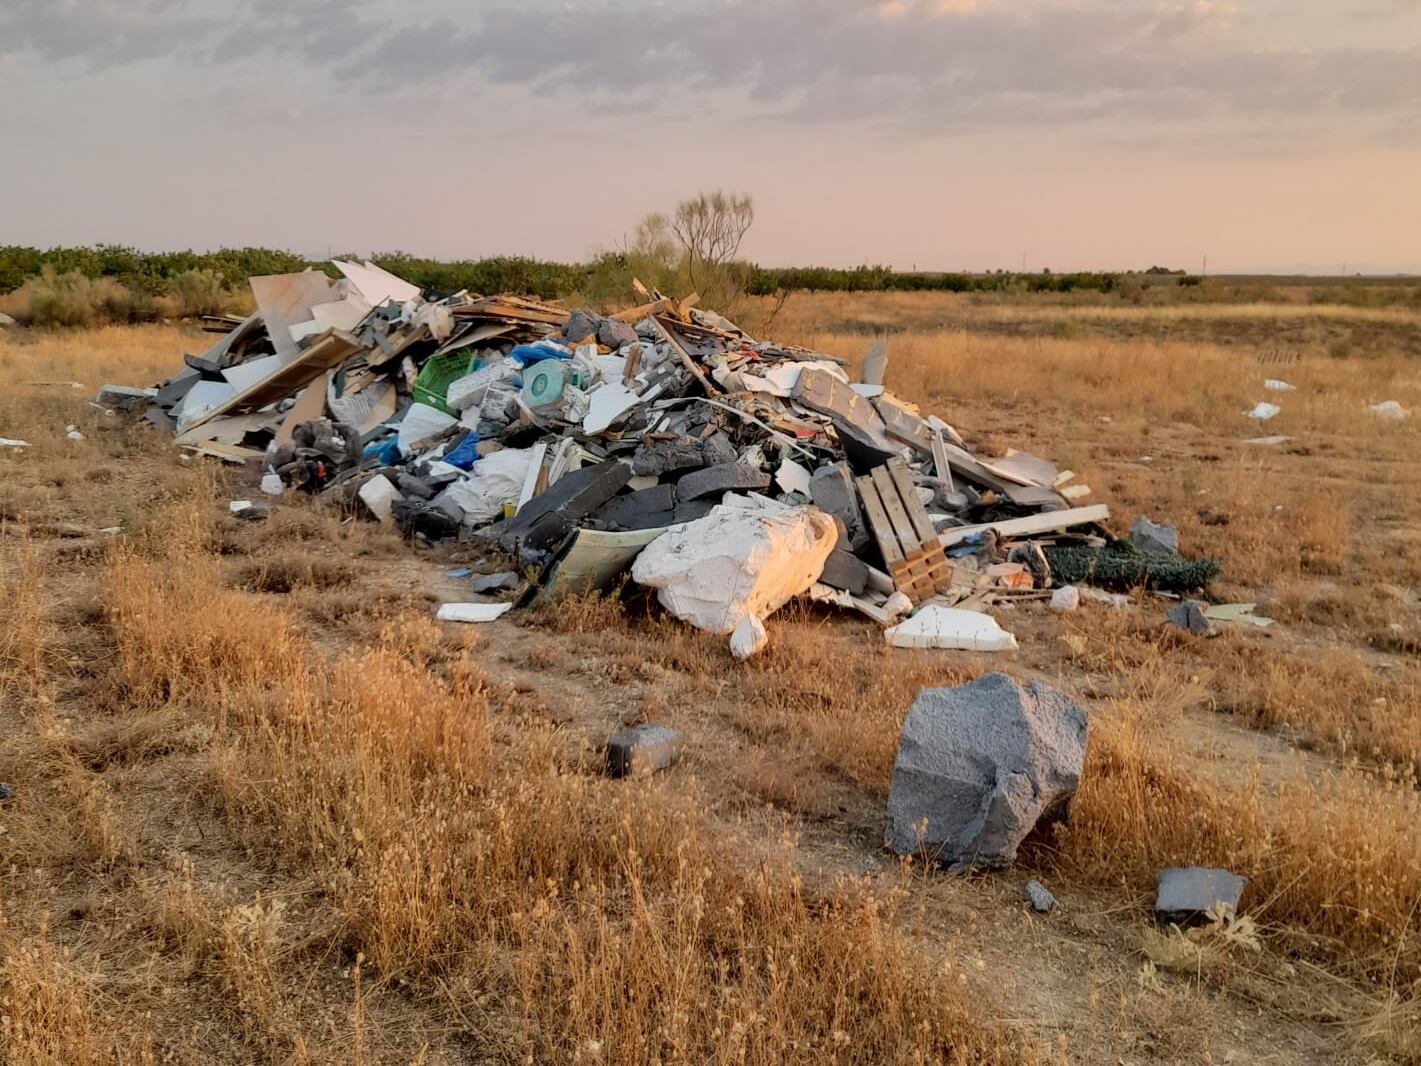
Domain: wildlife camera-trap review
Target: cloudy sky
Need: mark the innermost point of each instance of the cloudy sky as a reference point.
(941, 134)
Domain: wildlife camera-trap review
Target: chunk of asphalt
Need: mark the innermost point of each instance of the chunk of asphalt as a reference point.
(720, 479)
(1186, 893)
(1189, 616)
(642, 749)
(845, 571)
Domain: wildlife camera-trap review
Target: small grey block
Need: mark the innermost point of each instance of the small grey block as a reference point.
(642, 749)
(1039, 896)
(1189, 615)
(6, 791)
(1149, 537)
(1185, 893)
(845, 571)
(494, 582)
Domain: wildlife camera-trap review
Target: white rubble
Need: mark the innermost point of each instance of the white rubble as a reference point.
(735, 562)
(1387, 409)
(1264, 411)
(1066, 598)
(950, 628)
(472, 612)
(749, 637)
(379, 494)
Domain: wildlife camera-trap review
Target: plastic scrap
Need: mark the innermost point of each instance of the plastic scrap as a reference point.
(950, 628)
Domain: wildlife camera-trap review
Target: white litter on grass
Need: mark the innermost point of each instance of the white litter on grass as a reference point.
(72, 432)
(1237, 612)
(1274, 385)
(1268, 440)
(1263, 412)
(952, 629)
(1387, 409)
(271, 484)
(1066, 598)
(897, 605)
(472, 612)
(11, 442)
(379, 494)
(238, 506)
(1117, 600)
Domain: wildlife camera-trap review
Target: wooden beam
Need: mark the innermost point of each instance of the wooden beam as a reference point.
(1031, 525)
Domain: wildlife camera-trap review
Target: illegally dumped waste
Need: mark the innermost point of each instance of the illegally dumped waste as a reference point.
(1387, 409)
(979, 766)
(728, 473)
(1262, 412)
(1191, 894)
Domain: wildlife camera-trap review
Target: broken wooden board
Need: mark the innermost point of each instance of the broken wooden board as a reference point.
(1031, 525)
(327, 351)
(228, 453)
(309, 405)
(633, 315)
(685, 356)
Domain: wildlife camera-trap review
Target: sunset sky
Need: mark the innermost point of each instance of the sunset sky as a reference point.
(937, 134)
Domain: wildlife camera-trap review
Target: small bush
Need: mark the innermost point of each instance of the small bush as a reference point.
(199, 292)
(68, 299)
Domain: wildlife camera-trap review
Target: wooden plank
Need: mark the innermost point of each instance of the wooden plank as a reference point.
(331, 349)
(310, 404)
(632, 315)
(893, 504)
(917, 513)
(878, 522)
(1048, 522)
(685, 356)
(940, 463)
(229, 453)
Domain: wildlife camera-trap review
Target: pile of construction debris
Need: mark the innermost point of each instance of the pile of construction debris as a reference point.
(728, 473)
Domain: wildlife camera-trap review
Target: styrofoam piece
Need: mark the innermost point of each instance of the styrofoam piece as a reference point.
(13, 442)
(272, 484)
(735, 562)
(748, 638)
(379, 494)
(781, 379)
(952, 629)
(1387, 409)
(791, 477)
(201, 398)
(472, 612)
(1274, 385)
(1264, 411)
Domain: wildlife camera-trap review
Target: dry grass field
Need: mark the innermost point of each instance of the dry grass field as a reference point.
(266, 810)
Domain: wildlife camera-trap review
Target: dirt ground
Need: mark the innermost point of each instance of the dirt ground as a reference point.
(171, 891)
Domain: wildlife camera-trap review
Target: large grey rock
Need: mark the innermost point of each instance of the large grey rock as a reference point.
(1186, 893)
(979, 766)
(667, 456)
(832, 490)
(1040, 897)
(1189, 615)
(615, 334)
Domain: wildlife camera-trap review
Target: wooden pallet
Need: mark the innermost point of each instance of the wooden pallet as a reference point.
(904, 533)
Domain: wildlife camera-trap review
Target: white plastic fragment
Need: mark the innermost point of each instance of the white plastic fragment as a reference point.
(606, 405)
(420, 423)
(950, 628)
(1115, 600)
(271, 484)
(748, 638)
(472, 612)
(72, 432)
(1387, 409)
(1274, 385)
(379, 494)
(1263, 412)
(897, 605)
(736, 562)
(1066, 598)
(238, 506)
(12, 442)
(791, 477)
(1268, 441)
(496, 479)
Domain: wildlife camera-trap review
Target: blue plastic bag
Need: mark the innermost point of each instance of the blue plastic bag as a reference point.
(465, 454)
(527, 354)
(387, 451)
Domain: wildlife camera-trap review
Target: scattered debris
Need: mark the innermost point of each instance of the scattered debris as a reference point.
(729, 473)
(642, 749)
(934, 626)
(11, 442)
(1237, 612)
(249, 510)
(1274, 385)
(72, 432)
(1191, 616)
(1066, 598)
(979, 766)
(1263, 412)
(1387, 409)
(1040, 898)
(1268, 441)
(6, 791)
(1189, 894)
(472, 612)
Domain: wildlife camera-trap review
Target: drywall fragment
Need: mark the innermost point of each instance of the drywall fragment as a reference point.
(472, 612)
(379, 494)
(950, 628)
(748, 638)
(714, 571)
(606, 404)
(642, 749)
(123, 397)
(979, 765)
(791, 477)
(1188, 894)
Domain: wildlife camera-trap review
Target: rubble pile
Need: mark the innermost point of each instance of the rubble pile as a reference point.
(730, 474)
